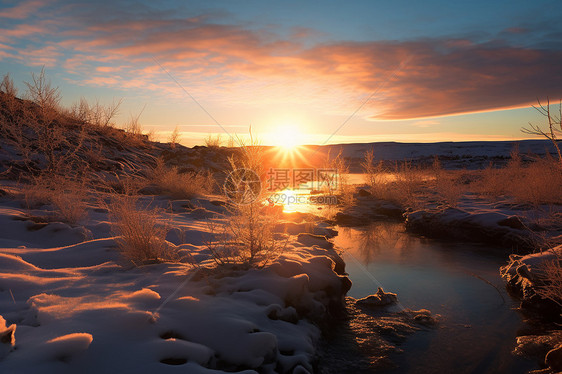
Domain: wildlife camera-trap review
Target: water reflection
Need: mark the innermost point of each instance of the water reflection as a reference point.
(478, 328)
(370, 241)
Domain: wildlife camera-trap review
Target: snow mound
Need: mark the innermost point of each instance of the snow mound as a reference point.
(476, 226)
(66, 346)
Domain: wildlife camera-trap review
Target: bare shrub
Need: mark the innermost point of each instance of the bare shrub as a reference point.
(67, 197)
(7, 86)
(70, 205)
(97, 115)
(447, 185)
(38, 129)
(334, 179)
(213, 141)
(42, 93)
(141, 236)
(246, 237)
(134, 132)
(181, 185)
(174, 137)
(405, 190)
(554, 130)
(376, 176)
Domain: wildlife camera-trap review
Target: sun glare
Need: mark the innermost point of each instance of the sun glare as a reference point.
(287, 137)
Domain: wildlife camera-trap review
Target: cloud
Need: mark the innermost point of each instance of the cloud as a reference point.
(23, 9)
(234, 63)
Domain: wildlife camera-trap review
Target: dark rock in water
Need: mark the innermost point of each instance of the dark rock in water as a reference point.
(344, 219)
(424, 317)
(554, 359)
(390, 210)
(514, 222)
(381, 298)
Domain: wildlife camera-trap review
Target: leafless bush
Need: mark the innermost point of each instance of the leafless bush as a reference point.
(181, 185)
(334, 179)
(213, 141)
(37, 129)
(406, 189)
(376, 176)
(554, 126)
(47, 97)
(141, 236)
(246, 237)
(97, 115)
(174, 138)
(7, 86)
(67, 197)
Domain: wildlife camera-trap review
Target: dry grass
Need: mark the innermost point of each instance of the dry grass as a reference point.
(536, 183)
(401, 185)
(67, 197)
(213, 141)
(174, 138)
(141, 235)
(447, 185)
(552, 287)
(246, 238)
(408, 185)
(181, 185)
(334, 180)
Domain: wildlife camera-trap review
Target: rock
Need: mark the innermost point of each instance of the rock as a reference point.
(381, 298)
(513, 222)
(424, 317)
(344, 219)
(554, 359)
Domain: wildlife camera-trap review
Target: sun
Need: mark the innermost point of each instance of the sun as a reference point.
(287, 137)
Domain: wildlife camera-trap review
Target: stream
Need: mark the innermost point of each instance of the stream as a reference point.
(459, 281)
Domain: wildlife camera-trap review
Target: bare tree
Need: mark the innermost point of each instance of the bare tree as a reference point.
(554, 130)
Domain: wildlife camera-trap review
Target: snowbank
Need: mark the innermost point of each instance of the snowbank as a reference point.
(525, 273)
(74, 308)
(483, 225)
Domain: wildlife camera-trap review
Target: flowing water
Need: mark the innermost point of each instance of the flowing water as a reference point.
(459, 281)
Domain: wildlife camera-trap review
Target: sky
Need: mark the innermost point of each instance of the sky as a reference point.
(311, 72)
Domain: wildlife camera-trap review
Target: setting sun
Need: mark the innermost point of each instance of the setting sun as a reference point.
(287, 137)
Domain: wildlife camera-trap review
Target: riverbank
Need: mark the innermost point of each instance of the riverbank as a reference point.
(505, 227)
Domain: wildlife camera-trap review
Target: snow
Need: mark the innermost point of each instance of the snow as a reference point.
(72, 304)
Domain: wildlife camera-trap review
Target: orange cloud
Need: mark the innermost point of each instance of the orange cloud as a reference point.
(23, 9)
(240, 65)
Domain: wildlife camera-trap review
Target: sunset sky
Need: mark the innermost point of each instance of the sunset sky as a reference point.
(323, 71)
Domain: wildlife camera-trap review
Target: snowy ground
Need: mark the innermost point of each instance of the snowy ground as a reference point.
(72, 304)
